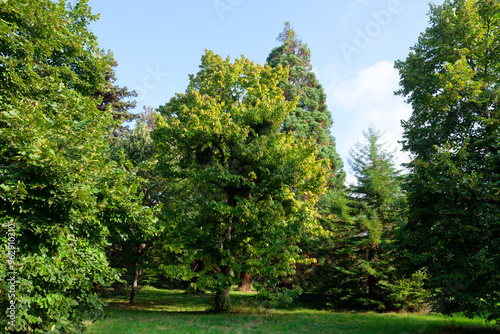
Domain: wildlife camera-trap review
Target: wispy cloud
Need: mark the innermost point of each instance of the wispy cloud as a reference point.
(368, 98)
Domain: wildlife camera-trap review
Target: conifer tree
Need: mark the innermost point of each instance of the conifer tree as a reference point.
(311, 118)
(378, 180)
(377, 198)
(354, 269)
(114, 95)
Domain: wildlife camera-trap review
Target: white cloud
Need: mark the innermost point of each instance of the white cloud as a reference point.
(368, 98)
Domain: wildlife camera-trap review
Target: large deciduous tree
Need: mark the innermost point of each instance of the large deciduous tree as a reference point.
(252, 186)
(451, 80)
(55, 175)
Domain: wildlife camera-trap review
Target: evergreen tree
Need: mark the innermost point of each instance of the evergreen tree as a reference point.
(355, 268)
(377, 200)
(378, 181)
(311, 118)
(114, 95)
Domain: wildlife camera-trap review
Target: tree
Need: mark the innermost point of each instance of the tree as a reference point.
(451, 80)
(112, 95)
(378, 181)
(252, 186)
(310, 118)
(354, 268)
(377, 200)
(55, 175)
(132, 237)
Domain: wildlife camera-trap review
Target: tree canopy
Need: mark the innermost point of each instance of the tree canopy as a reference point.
(253, 186)
(310, 118)
(451, 80)
(55, 175)
(238, 177)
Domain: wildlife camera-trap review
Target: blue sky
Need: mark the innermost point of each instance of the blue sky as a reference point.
(353, 43)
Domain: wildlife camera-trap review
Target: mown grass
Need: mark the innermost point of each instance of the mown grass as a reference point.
(167, 311)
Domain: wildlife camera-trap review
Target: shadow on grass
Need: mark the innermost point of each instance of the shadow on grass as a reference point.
(468, 330)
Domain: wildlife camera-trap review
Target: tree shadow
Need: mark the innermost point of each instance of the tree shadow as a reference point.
(452, 329)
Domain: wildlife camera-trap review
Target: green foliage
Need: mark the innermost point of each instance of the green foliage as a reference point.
(451, 79)
(112, 96)
(354, 267)
(251, 186)
(310, 118)
(55, 176)
(135, 229)
(409, 294)
(378, 181)
(44, 44)
(51, 172)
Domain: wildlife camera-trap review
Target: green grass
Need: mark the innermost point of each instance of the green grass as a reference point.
(162, 311)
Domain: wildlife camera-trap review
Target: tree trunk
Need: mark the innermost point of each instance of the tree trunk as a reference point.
(198, 266)
(372, 280)
(137, 274)
(222, 300)
(135, 285)
(245, 282)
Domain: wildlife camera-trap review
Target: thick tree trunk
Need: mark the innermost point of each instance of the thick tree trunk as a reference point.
(245, 282)
(222, 300)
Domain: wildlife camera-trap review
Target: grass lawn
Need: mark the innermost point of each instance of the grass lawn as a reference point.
(167, 311)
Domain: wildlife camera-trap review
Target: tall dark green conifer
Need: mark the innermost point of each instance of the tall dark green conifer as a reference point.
(311, 118)
(378, 180)
(376, 199)
(114, 95)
